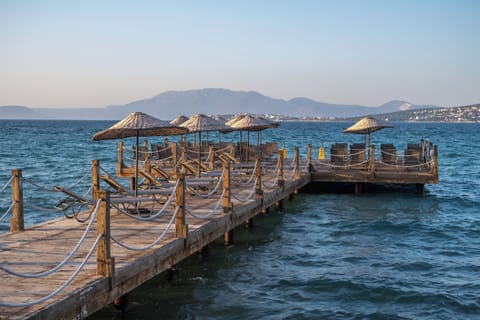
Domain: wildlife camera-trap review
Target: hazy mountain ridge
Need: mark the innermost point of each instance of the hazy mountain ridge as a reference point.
(170, 104)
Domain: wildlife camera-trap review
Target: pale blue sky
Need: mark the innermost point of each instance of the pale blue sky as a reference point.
(97, 53)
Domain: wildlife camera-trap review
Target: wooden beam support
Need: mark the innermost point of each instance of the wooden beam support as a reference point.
(181, 228)
(281, 179)
(296, 159)
(17, 221)
(227, 197)
(95, 178)
(105, 262)
(258, 177)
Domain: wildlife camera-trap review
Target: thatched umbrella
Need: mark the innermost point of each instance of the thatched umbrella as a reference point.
(250, 123)
(179, 120)
(232, 121)
(138, 124)
(201, 123)
(367, 125)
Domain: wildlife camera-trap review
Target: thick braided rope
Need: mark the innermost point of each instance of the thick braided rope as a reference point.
(63, 286)
(6, 184)
(151, 245)
(67, 258)
(8, 211)
(211, 213)
(250, 195)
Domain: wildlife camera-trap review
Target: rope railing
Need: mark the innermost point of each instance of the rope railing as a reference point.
(63, 286)
(249, 196)
(205, 196)
(64, 261)
(211, 213)
(404, 166)
(7, 212)
(151, 245)
(38, 186)
(6, 184)
(87, 174)
(240, 182)
(159, 213)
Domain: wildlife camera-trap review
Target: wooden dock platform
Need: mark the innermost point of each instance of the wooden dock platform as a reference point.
(109, 251)
(113, 269)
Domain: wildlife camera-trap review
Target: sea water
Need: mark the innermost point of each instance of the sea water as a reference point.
(386, 255)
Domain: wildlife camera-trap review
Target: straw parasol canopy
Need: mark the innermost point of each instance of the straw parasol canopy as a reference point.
(250, 123)
(367, 125)
(203, 123)
(179, 120)
(199, 123)
(138, 124)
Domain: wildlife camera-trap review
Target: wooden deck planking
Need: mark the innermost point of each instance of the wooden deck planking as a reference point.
(45, 245)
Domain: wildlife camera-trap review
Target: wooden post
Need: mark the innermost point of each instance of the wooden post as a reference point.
(181, 228)
(281, 181)
(211, 157)
(17, 221)
(95, 178)
(309, 157)
(173, 147)
(184, 154)
(296, 172)
(227, 198)
(372, 158)
(258, 177)
(435, 163)
(228, 237)
(105, 262)
(120, 158)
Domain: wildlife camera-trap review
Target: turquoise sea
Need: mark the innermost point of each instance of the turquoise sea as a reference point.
(385, 255)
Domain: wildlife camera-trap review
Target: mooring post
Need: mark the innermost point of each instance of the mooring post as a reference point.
(309, 157)
(173, 148)
(227, 197)
(258, 177)
(372, 158)
(17, 220)
(296, 159)
(95, 178)
(105, 262)
(181, 228)
(120, 166)
(281, 181)
(211, 157)
(435, 163)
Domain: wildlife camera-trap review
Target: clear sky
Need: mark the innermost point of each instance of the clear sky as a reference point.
(97, 53)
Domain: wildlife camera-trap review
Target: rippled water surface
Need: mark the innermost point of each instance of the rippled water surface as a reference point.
(387, 255)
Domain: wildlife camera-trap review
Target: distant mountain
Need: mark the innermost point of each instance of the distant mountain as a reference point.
(19, 112)
(171, 104)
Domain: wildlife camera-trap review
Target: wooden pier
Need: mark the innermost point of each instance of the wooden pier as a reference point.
(71, 267)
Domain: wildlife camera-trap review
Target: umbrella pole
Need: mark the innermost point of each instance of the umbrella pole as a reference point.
(136, 166)
(259, 147)
(240, 146)
(368, 146)
(199, 153)
(248, 146)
